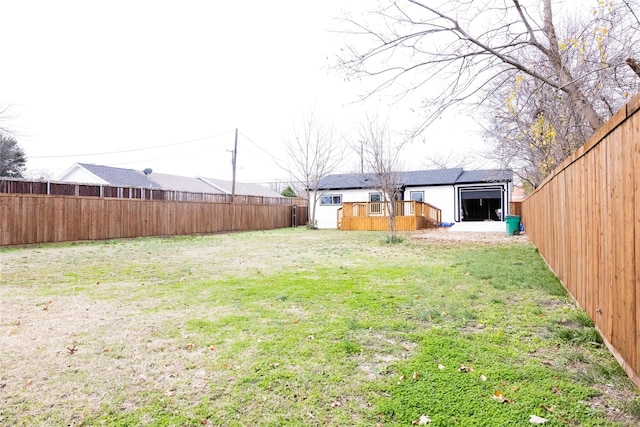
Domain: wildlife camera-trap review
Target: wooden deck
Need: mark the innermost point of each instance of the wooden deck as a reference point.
(373, 216)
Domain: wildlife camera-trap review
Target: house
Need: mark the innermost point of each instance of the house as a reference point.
(106, 175)
(459, 195)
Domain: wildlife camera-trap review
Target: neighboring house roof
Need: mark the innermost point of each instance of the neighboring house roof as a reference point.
(242, 188)
(183, 183)
(416, 178)
(133, 178)
(120, 176)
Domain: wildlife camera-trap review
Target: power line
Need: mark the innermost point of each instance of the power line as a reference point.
(276, 159)
(133, 149)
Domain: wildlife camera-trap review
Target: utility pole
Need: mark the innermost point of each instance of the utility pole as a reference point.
(234, 156)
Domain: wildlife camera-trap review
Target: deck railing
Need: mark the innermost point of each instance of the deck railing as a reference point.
(425, 215)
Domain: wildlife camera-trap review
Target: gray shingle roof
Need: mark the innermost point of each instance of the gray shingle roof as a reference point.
(242, 188)
(487, 175)
(120, 176)
(432, 177)
(416, 178)
(133, 178)
(183, 183)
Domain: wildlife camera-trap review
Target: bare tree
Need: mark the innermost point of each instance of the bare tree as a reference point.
(38, 175)
(533, 129)
(313, 152)
(381, 157)
(462, 51)
(448, 160)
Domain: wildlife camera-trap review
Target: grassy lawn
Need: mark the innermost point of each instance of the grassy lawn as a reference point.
(298, 327)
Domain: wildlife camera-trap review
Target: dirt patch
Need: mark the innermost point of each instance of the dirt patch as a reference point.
(447, 235)
(73, 353)
(611, 402)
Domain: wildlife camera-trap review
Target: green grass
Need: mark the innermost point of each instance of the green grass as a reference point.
(298, 327)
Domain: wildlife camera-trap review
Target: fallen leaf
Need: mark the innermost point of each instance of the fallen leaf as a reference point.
(483, 378)
(97, 283)
(212, 348)
(415, 375)
(499, 396)
(204, 422)
(418, 296)
(422, 421)
(556, 390)
(190, 346)
(534, 419)
(403, 377)
(295, 322)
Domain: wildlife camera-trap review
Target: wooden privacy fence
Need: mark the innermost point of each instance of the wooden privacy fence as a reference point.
(52, 188)
(30, 218)
(585, 221)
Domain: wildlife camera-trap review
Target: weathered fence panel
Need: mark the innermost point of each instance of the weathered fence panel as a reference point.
(51, 188)
(585, 221)
(32, 218)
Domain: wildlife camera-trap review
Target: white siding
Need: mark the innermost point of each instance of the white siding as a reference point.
(81, 175)
(327, 216)
(441, 196)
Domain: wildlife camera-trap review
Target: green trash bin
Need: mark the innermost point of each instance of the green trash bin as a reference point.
(513, 224)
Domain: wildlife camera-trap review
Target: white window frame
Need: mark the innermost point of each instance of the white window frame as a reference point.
(334, 200)
(411, 193)
(373, 196)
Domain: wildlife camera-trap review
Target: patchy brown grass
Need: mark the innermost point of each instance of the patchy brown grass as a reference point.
(87, 330)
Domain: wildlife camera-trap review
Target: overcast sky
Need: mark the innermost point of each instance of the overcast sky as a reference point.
(82, 78)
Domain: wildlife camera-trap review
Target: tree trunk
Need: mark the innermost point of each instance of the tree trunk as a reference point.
(565, 79)
(634, 65)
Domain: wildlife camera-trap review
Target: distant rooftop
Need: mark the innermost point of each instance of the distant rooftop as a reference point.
(120, 176)
(133, 178)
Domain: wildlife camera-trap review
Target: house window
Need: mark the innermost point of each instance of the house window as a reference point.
(417, 196)
(375, 204)
(331, 200)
